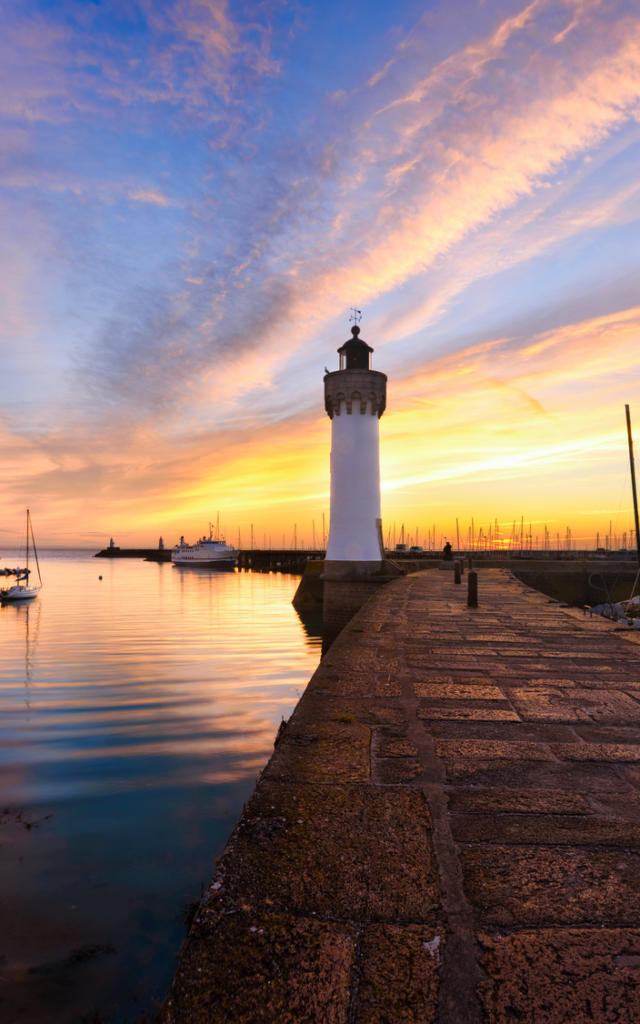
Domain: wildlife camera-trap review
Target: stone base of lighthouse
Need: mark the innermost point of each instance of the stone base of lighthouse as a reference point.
(341, 599)
(346, 587)
(351, 570)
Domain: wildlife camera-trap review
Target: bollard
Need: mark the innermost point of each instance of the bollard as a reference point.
(457, 575)
(472, 592)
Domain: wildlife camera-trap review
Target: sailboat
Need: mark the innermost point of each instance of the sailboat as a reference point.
(21, 590)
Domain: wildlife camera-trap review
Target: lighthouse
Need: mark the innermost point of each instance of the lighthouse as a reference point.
(355, 398)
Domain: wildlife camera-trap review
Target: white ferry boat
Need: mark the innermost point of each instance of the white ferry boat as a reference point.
(206, 553)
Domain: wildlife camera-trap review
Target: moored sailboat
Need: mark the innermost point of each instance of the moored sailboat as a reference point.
(21, 589)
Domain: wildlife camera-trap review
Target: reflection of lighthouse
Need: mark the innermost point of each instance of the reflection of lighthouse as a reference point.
(355, 398)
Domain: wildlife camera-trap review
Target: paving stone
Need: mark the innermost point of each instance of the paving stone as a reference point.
(536, 885)
(479, 713)
(264, 968)
(491, 749)
(469, 690)
(491, 637)
(507, 651)
(429, 679)
(576, 655)
(611, 733)
(544, 829)
(510, 731)
(562, 976)
(395, 746)
(550, 680)
(603, 680)
(605, 752)
(347, 683)
(386, 684)
(370, 711)
(616, 805)
(470, 665)
(608, 705)
(329, 751)
(523, 801)
(377, 860)
(398, 974)
(630, 774)
(393, 771)
(539, 704)
(459, 650)
(584, 778)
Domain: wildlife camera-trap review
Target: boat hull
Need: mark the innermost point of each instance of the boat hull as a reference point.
(18, 594)
(205, 563)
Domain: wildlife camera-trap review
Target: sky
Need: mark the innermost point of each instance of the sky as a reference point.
(193, 194)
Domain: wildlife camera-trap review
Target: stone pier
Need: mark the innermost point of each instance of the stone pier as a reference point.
(448, 830)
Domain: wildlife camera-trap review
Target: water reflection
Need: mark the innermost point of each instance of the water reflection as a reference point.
(136, 711)
(311, 619)
(29, 614)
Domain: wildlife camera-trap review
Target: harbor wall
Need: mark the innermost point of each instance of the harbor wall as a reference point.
(579, 584)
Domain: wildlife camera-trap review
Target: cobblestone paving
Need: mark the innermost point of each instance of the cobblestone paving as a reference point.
(448, 831)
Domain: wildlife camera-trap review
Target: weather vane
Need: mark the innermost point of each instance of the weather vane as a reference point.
(355, 316)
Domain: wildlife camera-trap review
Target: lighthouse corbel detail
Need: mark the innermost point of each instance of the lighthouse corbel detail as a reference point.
(355, 399)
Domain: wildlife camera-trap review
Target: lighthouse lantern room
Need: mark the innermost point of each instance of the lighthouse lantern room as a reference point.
(355, 399)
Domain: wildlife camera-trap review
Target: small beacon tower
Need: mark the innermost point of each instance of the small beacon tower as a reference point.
(355, 397)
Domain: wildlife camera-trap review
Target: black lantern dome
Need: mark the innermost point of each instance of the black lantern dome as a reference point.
(355, 354)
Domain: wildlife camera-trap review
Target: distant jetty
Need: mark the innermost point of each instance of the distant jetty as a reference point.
(149, 554)
(272, 560)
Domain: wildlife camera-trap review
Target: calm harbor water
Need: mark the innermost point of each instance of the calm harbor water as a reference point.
(136, 711)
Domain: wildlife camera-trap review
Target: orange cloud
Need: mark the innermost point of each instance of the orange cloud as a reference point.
(148, 196)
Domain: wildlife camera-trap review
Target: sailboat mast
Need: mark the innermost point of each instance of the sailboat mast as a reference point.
(27, 546)
(35, 550)
(633, 479)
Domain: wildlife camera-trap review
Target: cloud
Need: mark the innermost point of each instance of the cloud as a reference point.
(515, 409)
(449, 177)
(458, 176)
(34, 86)
(516, 239)
(589, 351)
(403, 192)
(186, 56)
(143, 196)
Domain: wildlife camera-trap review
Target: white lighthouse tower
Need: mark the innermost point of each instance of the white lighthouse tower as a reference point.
(355, 398)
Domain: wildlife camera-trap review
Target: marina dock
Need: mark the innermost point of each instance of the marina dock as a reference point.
(448, 830)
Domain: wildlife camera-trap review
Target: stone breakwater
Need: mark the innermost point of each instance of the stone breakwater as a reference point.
(448, 830)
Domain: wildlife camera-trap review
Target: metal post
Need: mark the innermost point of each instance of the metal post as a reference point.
(633, 480)
(472, 591)
(457, 575)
